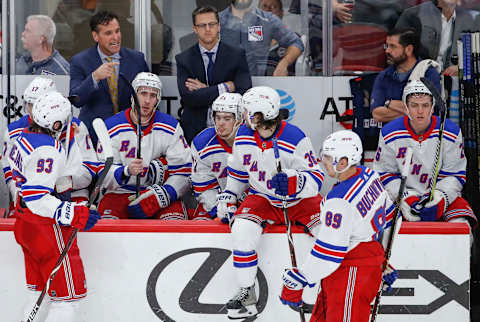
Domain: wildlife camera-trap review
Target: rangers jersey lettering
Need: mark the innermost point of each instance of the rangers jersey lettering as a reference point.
(37, 160)
(397, 135)
(355, 210)
(209, 173)
(82, 163)
(253, 163)
(162, 137)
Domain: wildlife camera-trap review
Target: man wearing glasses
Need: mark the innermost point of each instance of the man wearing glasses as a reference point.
(206, 70)
(402, 50)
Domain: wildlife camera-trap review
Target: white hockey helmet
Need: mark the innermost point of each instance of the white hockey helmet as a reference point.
(38, 87)
(261, 99)
(50, 109)
(343, 144)
(228, 103)
(416, 87)
(148, 80)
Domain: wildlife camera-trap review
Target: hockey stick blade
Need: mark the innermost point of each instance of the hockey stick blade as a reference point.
(106, 143)
(74, 99)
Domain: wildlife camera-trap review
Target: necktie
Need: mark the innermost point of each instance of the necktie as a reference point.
(209, 66)
(113, 87)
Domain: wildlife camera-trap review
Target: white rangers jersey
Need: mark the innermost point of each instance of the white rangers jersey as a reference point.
(80, 150)
(37, 161)
(394, 139)
(253, 163)
(355, 210)
(209, 173)
(162, 137)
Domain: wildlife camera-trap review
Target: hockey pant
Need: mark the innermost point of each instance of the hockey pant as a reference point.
(250, 219)
(347, 293)
(42, 240)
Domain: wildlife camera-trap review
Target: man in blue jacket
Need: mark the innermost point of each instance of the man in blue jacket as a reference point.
(95, 72)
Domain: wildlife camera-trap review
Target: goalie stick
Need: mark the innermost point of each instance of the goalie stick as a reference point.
(438, 151)
(104, 140)
(139, 129)
(395, 223)
(288, 223)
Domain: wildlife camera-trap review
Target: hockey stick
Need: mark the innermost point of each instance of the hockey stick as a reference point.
(438, 151)
(288, 223)
(139, 128)
(395, 223)
(104, 140)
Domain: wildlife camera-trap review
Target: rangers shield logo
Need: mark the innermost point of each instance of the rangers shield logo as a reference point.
(255, 33)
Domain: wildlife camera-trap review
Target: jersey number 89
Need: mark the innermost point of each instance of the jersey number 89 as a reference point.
(333, 220)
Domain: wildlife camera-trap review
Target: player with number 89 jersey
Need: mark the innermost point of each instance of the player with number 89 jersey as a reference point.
(347, 257)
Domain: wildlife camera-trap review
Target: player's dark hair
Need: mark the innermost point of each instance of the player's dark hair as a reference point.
(101, 18)
(204, 9)
(269, 124)
(34, 127)
(407, 36)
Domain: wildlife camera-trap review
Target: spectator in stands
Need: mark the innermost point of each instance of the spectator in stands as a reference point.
(276, 52)
(253, 29)
(95, 72)
(41, 58)
(207, 69)
(401, 48)
(386, 12)
(439, 23)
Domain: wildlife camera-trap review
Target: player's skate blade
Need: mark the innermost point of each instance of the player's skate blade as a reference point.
(243, 304)
(243, 312)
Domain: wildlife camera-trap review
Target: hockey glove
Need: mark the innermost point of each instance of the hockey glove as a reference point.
(389, 277)
(156, 172)
(410, 198)
(149, 202)
(213, 212)
(69, 214)
(226, 206)
(288, 183)
(431, 210)
(63, 188)
(293, 284)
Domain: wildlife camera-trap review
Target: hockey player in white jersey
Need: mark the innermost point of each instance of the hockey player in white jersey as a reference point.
(162, 136)
(420, 131)
(346, 256)
(210, 150)
(253, 164)
(44, 223)
(80, 146)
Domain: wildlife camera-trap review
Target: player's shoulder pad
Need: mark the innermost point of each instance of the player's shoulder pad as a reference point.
(204, 138)
(165, 123)
(30, 141)
(115, 120)
(450, 128)
(165, 118)
(291, 134)
(76, 120)
(347, 189)
(21, 123)
(244, 130)
(397, 124)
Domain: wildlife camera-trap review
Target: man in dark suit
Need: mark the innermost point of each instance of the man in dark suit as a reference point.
(206, 70)
(95, 72)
